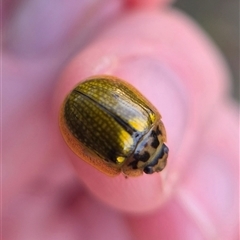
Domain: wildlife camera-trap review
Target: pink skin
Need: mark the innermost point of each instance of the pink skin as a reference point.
(164, 55)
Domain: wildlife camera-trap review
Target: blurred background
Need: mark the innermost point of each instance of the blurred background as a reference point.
(220, 19)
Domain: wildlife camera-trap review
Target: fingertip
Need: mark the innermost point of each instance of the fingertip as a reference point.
(155, 66)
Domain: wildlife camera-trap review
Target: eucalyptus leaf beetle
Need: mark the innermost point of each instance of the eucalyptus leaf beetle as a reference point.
(112, 126)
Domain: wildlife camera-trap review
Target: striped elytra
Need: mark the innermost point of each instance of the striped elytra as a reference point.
(113, 127)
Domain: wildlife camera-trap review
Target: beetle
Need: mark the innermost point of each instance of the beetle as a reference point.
(112, 126)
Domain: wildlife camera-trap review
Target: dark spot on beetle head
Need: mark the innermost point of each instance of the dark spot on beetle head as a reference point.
(139, 157)
(142, 157)
(155, 142)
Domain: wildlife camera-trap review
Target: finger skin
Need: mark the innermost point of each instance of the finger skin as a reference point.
(177, 60)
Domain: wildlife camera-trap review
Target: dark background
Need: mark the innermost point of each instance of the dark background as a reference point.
(220, 19)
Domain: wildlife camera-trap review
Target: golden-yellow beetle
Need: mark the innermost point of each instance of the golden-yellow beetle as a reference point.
(110, 125)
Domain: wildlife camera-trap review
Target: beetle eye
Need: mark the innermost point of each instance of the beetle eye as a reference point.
(148, 170)
(165, 149)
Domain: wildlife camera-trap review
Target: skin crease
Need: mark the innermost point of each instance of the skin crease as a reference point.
(170, 60)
